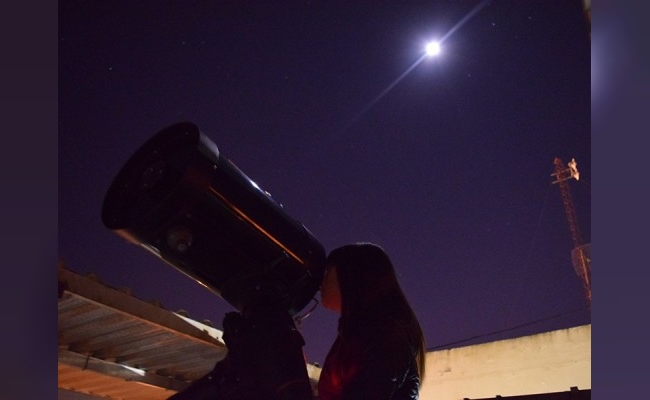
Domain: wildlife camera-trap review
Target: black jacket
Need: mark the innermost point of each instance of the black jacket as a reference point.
(372, 358)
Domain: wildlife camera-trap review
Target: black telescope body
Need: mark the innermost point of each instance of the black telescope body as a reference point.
(179, 198)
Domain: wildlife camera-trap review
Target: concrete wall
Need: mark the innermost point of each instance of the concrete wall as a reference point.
(543, 363)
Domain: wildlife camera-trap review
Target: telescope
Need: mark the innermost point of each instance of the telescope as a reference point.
(179, 198)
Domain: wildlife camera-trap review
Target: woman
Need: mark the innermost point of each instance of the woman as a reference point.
(379, 352)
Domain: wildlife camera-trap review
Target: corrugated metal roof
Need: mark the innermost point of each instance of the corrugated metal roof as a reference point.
(114, 345)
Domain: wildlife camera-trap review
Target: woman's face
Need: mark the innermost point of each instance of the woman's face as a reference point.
(330, 292)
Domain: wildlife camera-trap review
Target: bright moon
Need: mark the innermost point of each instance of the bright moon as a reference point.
(433, 48)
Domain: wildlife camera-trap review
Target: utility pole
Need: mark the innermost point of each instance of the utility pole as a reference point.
(581, 253)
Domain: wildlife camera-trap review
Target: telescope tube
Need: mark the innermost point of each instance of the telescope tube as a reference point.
(183, 201)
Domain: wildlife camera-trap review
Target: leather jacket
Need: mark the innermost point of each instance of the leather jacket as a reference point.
(371, 359)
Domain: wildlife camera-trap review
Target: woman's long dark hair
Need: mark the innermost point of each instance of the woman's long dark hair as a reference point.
(367, 279)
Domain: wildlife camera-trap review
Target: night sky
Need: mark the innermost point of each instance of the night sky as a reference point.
(445, 162)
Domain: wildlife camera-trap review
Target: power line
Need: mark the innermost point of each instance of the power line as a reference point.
(526, 264)
(453, 344)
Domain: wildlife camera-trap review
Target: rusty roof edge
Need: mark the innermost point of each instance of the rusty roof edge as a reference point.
(86, 362)
(110, 297)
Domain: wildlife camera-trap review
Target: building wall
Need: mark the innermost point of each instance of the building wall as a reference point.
(543, 363)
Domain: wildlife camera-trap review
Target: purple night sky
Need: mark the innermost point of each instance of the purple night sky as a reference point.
(445, 163)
